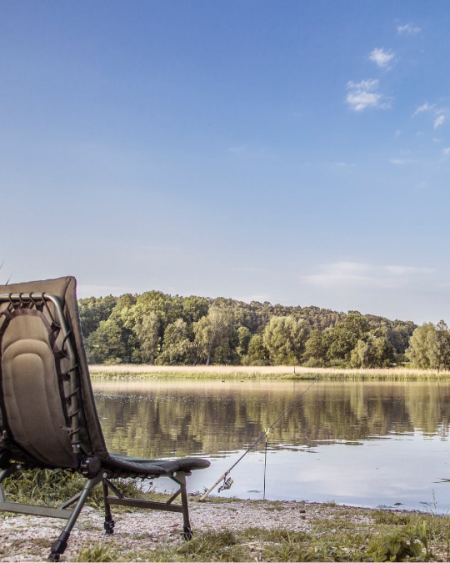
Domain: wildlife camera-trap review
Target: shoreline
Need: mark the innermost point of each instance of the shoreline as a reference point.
(232, 530)
(136, 372)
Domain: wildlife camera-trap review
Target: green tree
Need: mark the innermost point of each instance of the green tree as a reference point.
(147, 332)
(315, 347)
(210, 332)
(417, 353)
(429, 347)
(93, 310)
(343, 338)
(258, 355)
(194, 308)
(177, 348)
(285, 338)
(167, 309)
(107, 344)
(372, 352)
(440, 348)
(244, 336)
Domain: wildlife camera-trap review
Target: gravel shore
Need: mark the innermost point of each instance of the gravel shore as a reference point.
(28, 538)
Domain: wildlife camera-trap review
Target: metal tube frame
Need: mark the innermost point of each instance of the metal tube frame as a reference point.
(120, 500)
(36, 510)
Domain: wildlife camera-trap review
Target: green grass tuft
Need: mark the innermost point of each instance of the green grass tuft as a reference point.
(97, 552)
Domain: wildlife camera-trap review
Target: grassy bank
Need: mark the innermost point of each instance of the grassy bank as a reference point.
(133, 371)
(385, 536)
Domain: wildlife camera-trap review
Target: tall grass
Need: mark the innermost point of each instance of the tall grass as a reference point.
(54, 486)
(257, 372)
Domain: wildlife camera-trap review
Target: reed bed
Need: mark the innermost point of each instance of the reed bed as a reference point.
(134, 371)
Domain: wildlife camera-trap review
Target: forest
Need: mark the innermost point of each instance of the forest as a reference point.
(158, 328)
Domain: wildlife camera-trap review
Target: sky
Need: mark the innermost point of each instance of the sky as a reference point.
(291, 152)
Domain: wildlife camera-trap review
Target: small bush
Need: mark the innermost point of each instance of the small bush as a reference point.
(403, 544)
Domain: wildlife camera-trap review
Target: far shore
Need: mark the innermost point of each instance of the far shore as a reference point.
(141, 371)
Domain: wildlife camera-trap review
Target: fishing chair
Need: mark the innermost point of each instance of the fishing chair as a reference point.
(48, 418)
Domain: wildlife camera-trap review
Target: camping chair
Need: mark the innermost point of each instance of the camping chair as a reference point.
(48, 417)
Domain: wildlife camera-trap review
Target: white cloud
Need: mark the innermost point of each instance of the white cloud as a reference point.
(397, 133)
(357, 274)
(446, 151)
(364, 95)
(381, 57)
(439, 121)
(370, 84)
(440, 113)
(422, 185)
(424, 107)
(408, 28)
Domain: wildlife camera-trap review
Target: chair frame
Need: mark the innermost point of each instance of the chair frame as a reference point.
(89, 466)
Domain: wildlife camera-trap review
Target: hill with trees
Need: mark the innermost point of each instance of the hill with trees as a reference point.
(158, 328)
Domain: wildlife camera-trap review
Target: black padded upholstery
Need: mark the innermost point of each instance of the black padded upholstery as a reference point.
(156, 467)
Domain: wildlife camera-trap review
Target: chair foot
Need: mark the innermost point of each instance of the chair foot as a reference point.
(187, 533)
(59, 547)
(109, 526)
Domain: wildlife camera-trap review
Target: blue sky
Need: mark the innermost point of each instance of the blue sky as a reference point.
(295, 152)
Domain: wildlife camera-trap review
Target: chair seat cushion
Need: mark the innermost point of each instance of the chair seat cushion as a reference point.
(155, 467)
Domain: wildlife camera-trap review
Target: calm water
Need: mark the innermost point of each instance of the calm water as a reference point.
(370, 443)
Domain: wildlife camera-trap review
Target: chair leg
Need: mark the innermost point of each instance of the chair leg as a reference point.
(60, 544)
(187, 530)
(109, 522)
(3, 475)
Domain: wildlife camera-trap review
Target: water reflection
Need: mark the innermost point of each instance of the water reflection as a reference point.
(379, 432)
(192, 418)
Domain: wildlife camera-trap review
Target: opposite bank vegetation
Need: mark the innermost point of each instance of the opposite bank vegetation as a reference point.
(164, 330)
(224, 373)
(309, 531)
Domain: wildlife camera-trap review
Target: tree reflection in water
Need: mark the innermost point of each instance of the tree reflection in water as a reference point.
(182, 418)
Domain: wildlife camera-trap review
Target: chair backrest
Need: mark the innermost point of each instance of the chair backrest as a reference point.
(48, 416)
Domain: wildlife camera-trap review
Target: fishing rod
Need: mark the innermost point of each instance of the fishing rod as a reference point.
(228, 482)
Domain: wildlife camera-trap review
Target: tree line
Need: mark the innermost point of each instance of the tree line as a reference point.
(158, 328)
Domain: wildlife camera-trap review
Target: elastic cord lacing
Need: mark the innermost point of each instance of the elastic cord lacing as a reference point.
(40, 303)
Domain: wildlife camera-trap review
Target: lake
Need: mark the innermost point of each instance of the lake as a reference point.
(359, 443)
